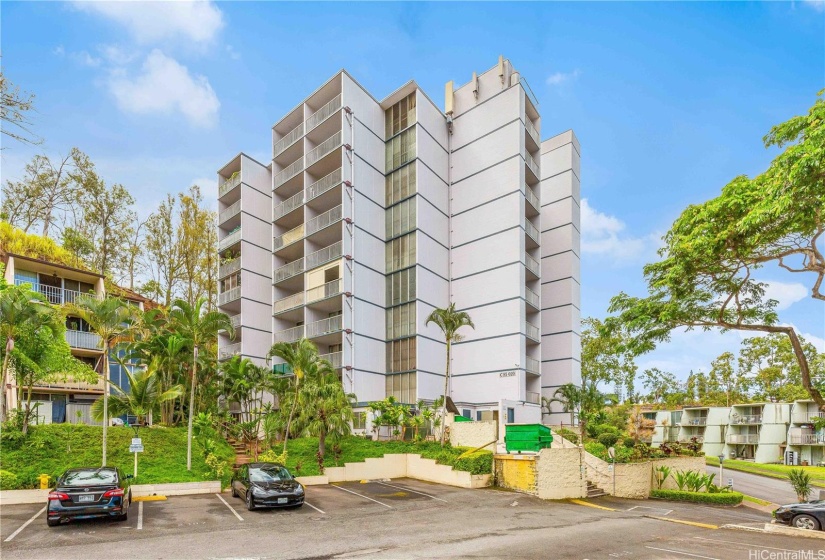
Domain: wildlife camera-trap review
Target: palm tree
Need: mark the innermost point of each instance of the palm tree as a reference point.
(801, 483)
(145, 395)
(197, 327)
(569, 396)
(449, 321)
(326, 410)
(300, 357)
(112, 319)
(240, 381)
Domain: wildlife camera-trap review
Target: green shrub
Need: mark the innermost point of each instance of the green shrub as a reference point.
(607, 439)
(721, 498)
(569, 435)
(8, 481)
(629, 443)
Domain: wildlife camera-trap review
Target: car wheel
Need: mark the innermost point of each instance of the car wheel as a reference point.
(805, 522)
(124, 516)
(234, 492)
(53, 522)
(250, 503)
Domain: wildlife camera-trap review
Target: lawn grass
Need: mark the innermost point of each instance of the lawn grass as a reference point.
(756, 500)
(773, 471)
(52, 448)
(302, 454)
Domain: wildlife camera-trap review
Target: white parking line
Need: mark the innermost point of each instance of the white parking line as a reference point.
(683, 553)
(306, 503)
(26, 524)
(140, 516)
(365, 497)
(666, 511)
(748, 545)
(230, 507)
(413, 491)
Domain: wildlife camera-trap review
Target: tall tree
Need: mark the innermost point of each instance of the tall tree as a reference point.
(197, 246)
(14, 108)
(163, 252)
(731, 383)
(144, 397)
(449, 321)
(706, 276)
(300, 356)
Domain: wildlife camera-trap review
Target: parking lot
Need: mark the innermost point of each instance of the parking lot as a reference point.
(395, 519)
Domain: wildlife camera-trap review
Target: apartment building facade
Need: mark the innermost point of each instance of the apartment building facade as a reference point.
(806, 444)
(61, 400)
(373, 213)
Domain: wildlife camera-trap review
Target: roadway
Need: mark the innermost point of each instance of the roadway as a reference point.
(774, 490)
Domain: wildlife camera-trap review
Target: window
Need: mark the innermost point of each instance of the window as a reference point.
(402, 386)
(478, 416)
(467, 413)
(359, 420)
(401, 287)
(230, 282)
(400, 150)
(400, 252)
(511, 415)
(401, 218)
(400, 116)
(400, 184)
(401, 355)
(401, 321)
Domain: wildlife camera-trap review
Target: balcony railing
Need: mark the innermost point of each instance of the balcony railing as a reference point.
(531, 163)
(694, 421)
(288, 173)
(324, 220)
(288, 238)
(806, 417)
(323, 148)
(335, 358)
(236, 320)
(289, 270)
(289, 335)
(233, 210)
(72, 384)
(229, 295)
(689, 439)
(231, 267)
(323, 113)
(288, 140)
(226, 352)
(532, 397)
(55, 294)
(532, 298)
(229, 184)
(531, 230)
(229, 240)
(532, 365)
(532, 264)
(84, 340)
(324, 184)
(289, 302)
(324, 326)
(671, 434)
(807, 439)
(532, 198)
(324, 291)
(324, 255)
(531, 130)
(288, 205)
(743, 438)
(747, 419)
(532, 331)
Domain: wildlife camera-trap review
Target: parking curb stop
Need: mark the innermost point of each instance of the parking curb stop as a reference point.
(149, 498)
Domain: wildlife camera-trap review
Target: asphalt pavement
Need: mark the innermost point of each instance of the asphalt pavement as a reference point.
(774, 490)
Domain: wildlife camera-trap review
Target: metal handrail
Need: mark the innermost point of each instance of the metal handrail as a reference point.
(289, 302)
(288, 172)
(229, 295)
(288, 205)
(84, 340)
(55, 294)
(324, 220)
(288, 237)
(531, 331)
(323, 113)
(323, 148)
(747, 419)
(288, 140)
(289, 335)
(325, 290)
(325, 326)
(325, 255)
(229, 268)
(289, 270)
(532, 264)
(229, 240)
(324, 184)
(532, 298)
(233, 210)
(229, 184)
(532, 365)
(807, 439)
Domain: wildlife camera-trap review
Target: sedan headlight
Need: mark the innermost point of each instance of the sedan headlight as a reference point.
(779, 510)
(299, 491)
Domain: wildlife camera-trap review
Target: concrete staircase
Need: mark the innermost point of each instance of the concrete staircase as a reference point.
(594, 491)
(241, 454)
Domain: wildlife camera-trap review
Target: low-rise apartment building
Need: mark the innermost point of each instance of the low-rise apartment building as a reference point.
(806, 444)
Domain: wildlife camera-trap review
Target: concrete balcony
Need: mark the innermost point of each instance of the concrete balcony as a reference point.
(531, 231)
(746, 419)
(335, 358)
(229, 295)
(226, 352)
(324, 291)
(289, 139)
(323, 113)
(229, 184)
(288, 173)
(289, 302)
(532, 165)
(532, 199)
(532, 397)
(229, 268)
(324, 148)
(694, 422)
(288, 238)
(289, 270)
(532, 365)
(230, 212)
(70, 384)
(324, 184)
(742, 439)
(282, 209)
(84, 340)
(806, 417)
(532, 265)
(229, 240)
(325, 326)
(532, 299)
(325, 255)
(289, 335)
(689, 439)
(324, 220)
(236, 320)
(531, 331)
(807, 439)
(531, 130)
(55, 294)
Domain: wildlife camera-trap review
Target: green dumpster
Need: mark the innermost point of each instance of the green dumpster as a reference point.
(526, 437)
(461, 419)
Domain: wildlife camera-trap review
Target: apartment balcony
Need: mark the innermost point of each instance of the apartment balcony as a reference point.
(694, 422)
(323, 113)
(55, 294)
(324, 184)
(325, 255)
(226, 352)
(324, 148)
(236, 321)
(289, 139)
(335, 358)
(71, 385)
(532, 365)
(289, 302)
(742, 439)
(288, 238)
(532, 132)
(229, 184)
(689, 439)
(289, 270)
(532, 331)
(532, 199)
(806, 417)
(230, 212)
(671, 434)
(747, 419)
(532, 266)
(229, 268)
(532, 233)
(292, 203)
(324, 220)
(325, 326)
(532, 397)
(229, 295)
(807, 439)
(325, 291)
(289, 335)
(84, 340)
(532, 165)
(229, 240)
(532, 299)
(288, 173)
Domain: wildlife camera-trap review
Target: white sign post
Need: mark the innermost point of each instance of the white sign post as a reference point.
(611, 452)
(136, 447)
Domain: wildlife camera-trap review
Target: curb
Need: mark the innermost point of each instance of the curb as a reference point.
(776, 529)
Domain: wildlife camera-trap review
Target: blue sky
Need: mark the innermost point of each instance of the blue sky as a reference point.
(670, 100)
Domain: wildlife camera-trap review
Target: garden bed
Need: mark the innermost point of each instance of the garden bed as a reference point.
(717, 498)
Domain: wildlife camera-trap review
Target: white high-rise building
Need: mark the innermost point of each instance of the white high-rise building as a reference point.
(373, 213)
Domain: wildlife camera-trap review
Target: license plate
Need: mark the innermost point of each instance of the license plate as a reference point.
(86, 498)
(282, 500)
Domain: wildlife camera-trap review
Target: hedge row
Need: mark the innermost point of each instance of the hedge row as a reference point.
(719, 498)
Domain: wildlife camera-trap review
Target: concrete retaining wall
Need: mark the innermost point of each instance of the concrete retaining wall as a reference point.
(635, 480)
(517, 472)
(473, 434)
(11, 497)
(561, 474)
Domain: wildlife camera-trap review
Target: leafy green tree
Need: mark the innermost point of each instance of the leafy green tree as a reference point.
(605, 355)
(199, 328)
(732, 384)
(300, 357)
(770, 364)
(112, 319)
(145, 395)
(242, 383)
(449, 321)
(663, 386)
(569, 396)
(705, 278)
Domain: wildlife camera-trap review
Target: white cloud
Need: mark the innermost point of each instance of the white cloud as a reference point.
(117, 55)
(84, 58)
(603, 234)
(818, 5)
(165, 86)
(786, 293)
(560, 77)
(59, 50)
(149, 22)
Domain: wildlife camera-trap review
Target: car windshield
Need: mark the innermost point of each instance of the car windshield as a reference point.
(91, 477)
(269, 473)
